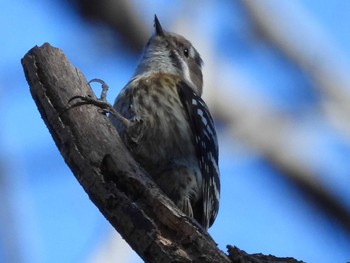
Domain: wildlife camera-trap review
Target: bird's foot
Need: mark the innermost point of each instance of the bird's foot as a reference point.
(101, 103)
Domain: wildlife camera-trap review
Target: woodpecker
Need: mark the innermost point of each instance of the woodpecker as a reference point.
(168, 128)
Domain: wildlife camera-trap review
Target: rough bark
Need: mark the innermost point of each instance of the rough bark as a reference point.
(115, 183)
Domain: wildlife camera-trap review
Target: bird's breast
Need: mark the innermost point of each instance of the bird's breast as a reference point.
(166, 130)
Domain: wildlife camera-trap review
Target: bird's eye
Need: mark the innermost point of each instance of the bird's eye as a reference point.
(186, 52)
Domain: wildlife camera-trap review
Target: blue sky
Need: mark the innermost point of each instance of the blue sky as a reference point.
(47, 217)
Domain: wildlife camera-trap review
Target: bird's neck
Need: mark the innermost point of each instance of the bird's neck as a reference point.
(156, 62)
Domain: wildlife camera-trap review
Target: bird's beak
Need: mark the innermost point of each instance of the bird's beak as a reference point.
(158, 27)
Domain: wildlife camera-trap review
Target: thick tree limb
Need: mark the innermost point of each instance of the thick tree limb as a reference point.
(91, 147)
(121, 190)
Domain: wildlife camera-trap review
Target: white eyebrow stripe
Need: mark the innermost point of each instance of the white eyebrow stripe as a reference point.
(192, 53)
(186, 70)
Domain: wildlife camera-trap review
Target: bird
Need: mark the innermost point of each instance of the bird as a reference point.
(167, 127)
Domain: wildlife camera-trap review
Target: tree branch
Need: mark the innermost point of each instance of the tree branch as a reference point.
(156, 229)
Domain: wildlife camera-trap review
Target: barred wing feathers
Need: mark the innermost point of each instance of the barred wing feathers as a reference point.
(206, 145)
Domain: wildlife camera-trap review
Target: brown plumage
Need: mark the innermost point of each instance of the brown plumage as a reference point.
(169, 130)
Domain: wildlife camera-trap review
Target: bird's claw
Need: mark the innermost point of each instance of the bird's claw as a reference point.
(137, 119)
(104, 106)
(105, 88)
(101, 103)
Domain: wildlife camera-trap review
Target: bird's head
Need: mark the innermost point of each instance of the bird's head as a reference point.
(167, 52)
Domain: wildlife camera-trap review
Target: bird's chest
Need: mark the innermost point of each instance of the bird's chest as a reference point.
(165, 130)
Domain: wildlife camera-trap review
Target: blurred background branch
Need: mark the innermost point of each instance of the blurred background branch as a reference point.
(292, 30)
(120, 16)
